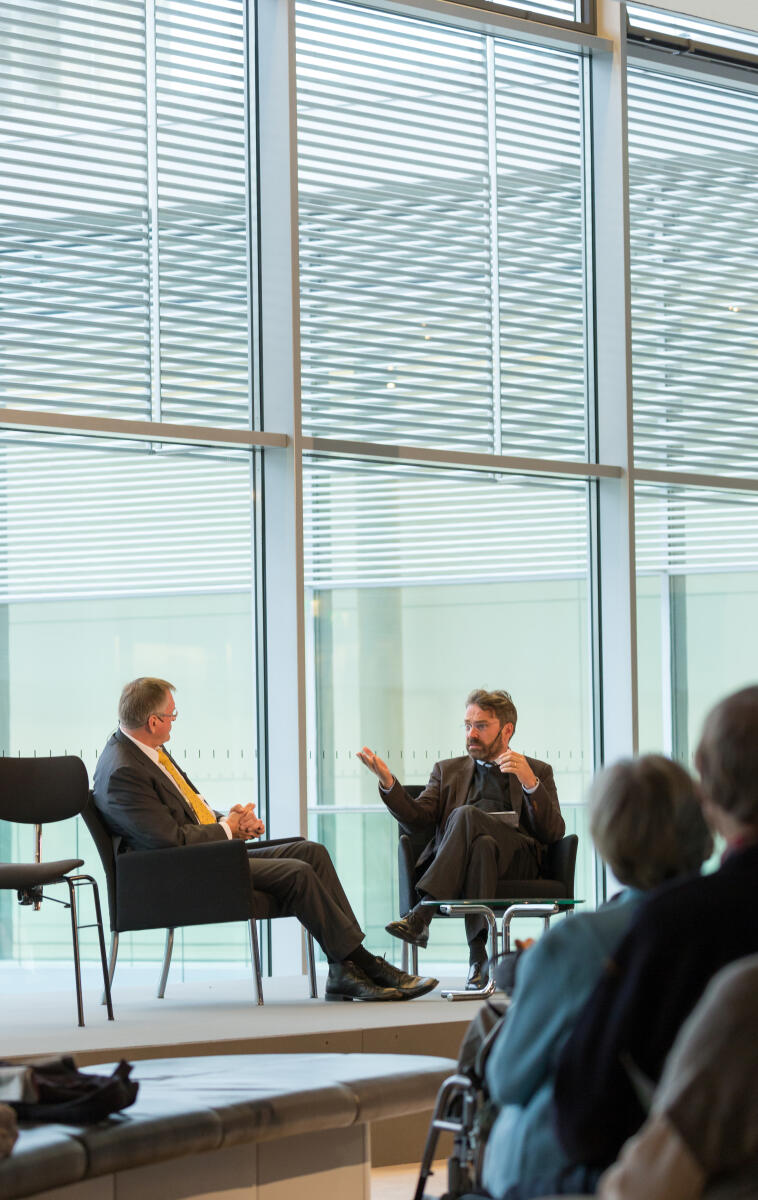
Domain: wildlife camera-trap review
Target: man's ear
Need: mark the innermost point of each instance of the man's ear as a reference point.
(506, 733)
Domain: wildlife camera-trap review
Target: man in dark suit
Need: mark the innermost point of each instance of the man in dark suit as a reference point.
(683, 934)
(473, 847)
(148, 803)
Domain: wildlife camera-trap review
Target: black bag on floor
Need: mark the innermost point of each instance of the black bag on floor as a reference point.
(56, 1090)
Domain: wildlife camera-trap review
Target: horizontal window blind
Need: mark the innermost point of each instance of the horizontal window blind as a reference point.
(202, 211)
(693, 163)
(441, 278)
(684, 530)
(83, 523)
(682, 25)
(540, 251)
(74, 289)
(566, 10)
(377, 526)
(123, 210)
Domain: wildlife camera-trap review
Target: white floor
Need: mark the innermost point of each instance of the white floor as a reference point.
(213, 1008)
(399, 1183)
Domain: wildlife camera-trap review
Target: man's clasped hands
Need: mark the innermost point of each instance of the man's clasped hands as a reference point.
(243, 822)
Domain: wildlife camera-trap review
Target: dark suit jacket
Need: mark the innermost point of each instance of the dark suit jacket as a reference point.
(140, 805)
(448, 787)
(683, 934)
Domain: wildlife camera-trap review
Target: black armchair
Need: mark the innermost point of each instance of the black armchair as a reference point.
(37, 791)
(557, 883)
(190, 885)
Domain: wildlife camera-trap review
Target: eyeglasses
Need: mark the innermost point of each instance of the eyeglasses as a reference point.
(166, 716)
(479, 726)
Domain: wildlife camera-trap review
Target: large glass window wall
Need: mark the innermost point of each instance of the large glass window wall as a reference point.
(121, 561)
(421, 586)
(449, 308)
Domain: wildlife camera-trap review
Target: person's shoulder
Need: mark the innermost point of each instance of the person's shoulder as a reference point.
(446, 765)
(600, 929)
(118, 754)
(538, 765)
(111, 749)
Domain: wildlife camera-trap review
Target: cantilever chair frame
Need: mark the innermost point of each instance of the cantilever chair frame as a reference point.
(157, 889)
(558, 884)
(39, 791)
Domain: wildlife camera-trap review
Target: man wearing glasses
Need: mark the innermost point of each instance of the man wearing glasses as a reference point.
(474, 846)
(148, 803)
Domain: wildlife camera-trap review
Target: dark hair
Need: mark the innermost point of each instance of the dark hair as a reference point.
(499, 703)
(727, 755)
(140, 699)
(646, 821)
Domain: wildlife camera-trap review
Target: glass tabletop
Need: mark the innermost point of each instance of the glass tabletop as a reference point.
(500, 905)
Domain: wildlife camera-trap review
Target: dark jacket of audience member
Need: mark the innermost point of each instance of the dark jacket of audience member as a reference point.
(681, 937)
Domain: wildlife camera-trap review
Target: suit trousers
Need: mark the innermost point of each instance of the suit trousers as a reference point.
(478, 851)
(302, 879)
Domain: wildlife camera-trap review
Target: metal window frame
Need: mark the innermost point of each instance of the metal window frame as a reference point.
(275, 439)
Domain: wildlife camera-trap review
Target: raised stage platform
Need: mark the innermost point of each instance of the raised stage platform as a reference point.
(215, 1013)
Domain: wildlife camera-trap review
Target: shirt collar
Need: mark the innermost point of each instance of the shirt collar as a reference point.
(151, 753)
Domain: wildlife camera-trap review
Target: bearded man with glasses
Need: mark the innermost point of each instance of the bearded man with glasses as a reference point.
(474, 846)
(149, 803)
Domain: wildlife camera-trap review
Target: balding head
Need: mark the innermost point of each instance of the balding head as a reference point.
(727, 756)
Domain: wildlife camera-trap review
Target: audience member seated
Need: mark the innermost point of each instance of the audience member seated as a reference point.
(681, 937)
(701, 1138)
(471, 847)
(148, 803)
(647, 824)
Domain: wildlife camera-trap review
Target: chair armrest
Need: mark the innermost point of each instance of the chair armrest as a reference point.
(186, 885)
(264, 843)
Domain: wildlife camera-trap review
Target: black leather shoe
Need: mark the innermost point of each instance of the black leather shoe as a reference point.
(345, 981)
(392, 977)
(411, 928)
(478, 976)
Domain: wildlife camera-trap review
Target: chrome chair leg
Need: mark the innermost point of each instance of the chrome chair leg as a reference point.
(75, 939)
(112, 956)
(101, 940)
(166, 963)
(404, 957)
(256, 956)
(311, 960)
(463, 910)
(414, 960)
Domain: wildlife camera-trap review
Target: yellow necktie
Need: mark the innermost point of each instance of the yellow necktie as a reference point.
(196, 802)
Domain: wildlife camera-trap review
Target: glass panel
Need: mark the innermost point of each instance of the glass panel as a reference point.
(697, 598)
(202, 186)
(566, 10)
(116, 563)
(682, 25)
(421, 586)
(441, 237)
(123, 210)
(693, 166)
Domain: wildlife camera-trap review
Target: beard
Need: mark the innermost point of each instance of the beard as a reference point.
(483, 751)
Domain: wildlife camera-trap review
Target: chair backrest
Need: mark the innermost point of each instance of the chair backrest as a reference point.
(104, 845)
(560, 862)
(34, 791)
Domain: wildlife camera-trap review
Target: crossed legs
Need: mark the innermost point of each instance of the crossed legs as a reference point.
(302, 879)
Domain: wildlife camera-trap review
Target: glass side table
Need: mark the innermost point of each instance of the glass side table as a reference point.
(509, 910)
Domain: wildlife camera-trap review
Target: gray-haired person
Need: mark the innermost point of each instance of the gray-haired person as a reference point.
(149, 803)
(647, 824)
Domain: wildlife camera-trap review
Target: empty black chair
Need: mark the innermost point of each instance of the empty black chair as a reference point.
(187, 885)
(559, 867)
(37, 791)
